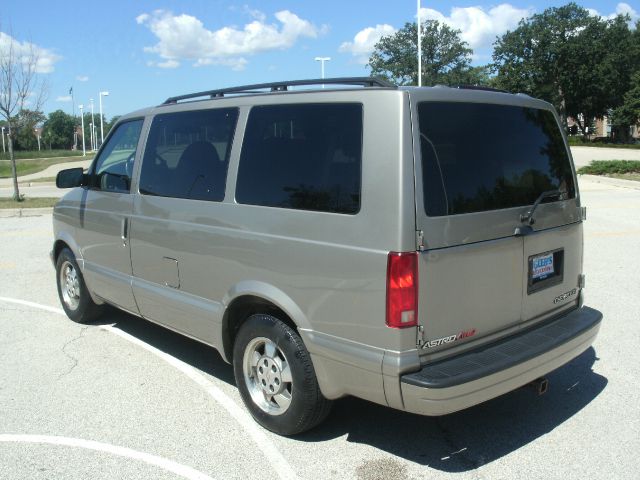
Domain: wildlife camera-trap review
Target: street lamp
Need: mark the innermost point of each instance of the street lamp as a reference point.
(419, 48)
(38, 136)
(322, 60)
(3, 147)
(84, 150)
(102, 94)
(93, 122)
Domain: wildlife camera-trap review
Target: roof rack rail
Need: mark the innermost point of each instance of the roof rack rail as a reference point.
(283, 86)
(479, 87)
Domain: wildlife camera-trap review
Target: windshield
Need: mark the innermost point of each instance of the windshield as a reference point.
(479, 157)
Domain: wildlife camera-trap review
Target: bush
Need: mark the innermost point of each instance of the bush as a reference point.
(608, 167)
(579, 141)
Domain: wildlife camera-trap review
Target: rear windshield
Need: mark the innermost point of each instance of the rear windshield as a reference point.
(478, 157)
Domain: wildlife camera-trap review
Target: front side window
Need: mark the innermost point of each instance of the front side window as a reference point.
(478, 157)
(187, 154)
(114, 166)
(304, 157)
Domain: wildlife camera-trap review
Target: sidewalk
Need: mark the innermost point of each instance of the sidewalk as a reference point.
(51, 171)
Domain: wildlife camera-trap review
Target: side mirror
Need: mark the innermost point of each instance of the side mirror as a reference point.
(71, 177)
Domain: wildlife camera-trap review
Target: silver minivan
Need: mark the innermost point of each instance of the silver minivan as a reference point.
(420, 248)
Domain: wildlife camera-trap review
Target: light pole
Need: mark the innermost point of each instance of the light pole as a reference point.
(322, 60)
(101, 94)
(3, 147)
(91, 135)
(38, 137)
(419, 48)
(93, 122)
(84, 150)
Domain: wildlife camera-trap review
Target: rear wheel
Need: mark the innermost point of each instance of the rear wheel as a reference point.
(275, 376)
(74, 296)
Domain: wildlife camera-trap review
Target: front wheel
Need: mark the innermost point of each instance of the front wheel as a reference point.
(275, 376)
(73, 293)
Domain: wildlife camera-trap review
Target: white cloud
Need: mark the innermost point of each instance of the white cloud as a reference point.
(621, 9)
(82, 78)
(64, 98)
(46, 59)
(365, 40)
(479, 28)
(184, 37)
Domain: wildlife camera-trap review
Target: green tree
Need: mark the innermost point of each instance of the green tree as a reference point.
(579, 62)
(599, 83)
(24, 129)
(58, 130)
(628, 113)
(446, 59)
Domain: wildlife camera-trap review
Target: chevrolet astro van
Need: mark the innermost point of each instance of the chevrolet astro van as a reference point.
(420, 248)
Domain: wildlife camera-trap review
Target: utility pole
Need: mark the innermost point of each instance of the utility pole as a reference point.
(93, 122)
(102, 94)
(419, 47)
(84, 151)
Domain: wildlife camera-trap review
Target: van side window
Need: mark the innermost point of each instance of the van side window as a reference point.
(114, 166)
(304, 157)
(187, 154)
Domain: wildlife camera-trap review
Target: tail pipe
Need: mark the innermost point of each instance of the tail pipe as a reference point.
(540, 385)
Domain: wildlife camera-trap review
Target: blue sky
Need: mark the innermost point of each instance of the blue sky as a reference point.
(143, 52)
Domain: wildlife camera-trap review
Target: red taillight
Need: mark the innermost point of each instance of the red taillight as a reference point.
(402, 289)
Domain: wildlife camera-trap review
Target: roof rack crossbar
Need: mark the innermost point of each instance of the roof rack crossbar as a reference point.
(284, 86)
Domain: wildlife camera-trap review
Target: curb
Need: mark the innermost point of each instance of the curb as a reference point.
(616, 182)
(25, 212)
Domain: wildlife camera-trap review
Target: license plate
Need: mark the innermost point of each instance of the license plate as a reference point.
(542, 266)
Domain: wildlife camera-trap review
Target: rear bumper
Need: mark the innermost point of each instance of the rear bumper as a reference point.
(479, 375)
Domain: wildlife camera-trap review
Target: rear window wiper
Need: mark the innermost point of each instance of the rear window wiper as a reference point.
(528, 217)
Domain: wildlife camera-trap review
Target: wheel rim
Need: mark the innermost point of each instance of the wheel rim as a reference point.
(69, 285)
(267, 376)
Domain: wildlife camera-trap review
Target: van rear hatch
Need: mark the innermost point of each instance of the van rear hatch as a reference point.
(491, 263)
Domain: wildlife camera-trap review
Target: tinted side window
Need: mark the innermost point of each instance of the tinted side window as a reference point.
(187, 154)
(305, 157)
(479, 157)
(113, 168)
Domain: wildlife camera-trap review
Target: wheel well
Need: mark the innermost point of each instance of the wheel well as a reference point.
(57, 248)
(242, 308)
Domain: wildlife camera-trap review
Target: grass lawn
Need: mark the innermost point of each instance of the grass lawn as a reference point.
(26, 167)
(28, 202)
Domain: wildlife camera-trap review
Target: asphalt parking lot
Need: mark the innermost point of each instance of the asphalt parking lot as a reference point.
(124, 398)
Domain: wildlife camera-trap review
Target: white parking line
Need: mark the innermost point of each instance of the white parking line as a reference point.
(165, 464)
(26, 303)
(278, 462)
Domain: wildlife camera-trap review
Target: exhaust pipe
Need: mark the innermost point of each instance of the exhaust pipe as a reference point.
(540, 385)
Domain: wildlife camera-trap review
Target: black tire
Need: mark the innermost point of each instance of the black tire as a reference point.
(307, 407)
(79, 306)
